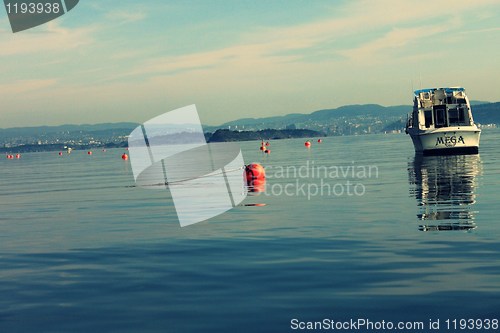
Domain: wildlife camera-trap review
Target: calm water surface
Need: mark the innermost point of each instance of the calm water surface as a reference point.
(355, 227)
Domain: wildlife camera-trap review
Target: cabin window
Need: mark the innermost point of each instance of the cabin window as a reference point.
(440, 116)
(453, 117)
(428, 118)
(457, 117)
(463, 116)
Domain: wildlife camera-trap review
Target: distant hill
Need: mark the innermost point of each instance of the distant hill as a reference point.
(476, 102)
(345, 120)
(326, 114)
(487, 113)
(40, 130)
(224, 135)
(45, 138)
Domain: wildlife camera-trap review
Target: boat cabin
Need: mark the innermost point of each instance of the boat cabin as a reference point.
(441, 107)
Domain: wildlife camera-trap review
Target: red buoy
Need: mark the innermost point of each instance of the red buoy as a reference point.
(89, 153)
(124, 157)
(262, 146)
(255, 171)
(307, 144)
(267, 151)
(18, 156)
(268, 144)
(255, 177)
(60, 153)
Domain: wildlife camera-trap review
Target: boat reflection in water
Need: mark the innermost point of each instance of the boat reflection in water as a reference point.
(445, 187)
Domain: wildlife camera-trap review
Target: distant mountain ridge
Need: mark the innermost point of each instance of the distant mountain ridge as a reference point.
(45, 138)
(487, 113)
(68, 127)
(343, 111)
(225, 135)
(344, 120)
(356, 119)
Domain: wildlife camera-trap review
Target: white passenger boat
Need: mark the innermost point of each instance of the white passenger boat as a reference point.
(441, 122)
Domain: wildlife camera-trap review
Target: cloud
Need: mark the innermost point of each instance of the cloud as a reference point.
(23, 86)
(126, 16)
(395, 39)
(50, 37)
(480, 31)
(375, 26)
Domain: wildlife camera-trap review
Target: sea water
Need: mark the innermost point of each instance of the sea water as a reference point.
(355, 231)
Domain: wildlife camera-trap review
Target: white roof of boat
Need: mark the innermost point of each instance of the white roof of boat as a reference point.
(448, 90)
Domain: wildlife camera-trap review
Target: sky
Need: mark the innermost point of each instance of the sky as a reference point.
(129, 61)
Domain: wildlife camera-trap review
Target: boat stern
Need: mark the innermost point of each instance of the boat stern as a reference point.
(447, 142)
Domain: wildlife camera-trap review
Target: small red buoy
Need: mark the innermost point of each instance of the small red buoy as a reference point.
(124, 157)
(263, 148)
(18, 156)
(307, 144)
(267, 151)
(60, 153)
(319, 140)
(268, 144)
(89, 153)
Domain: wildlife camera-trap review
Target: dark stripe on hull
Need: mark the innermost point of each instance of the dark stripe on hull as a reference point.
(452, 151)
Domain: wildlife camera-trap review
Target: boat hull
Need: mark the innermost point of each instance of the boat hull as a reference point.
(446, 141)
